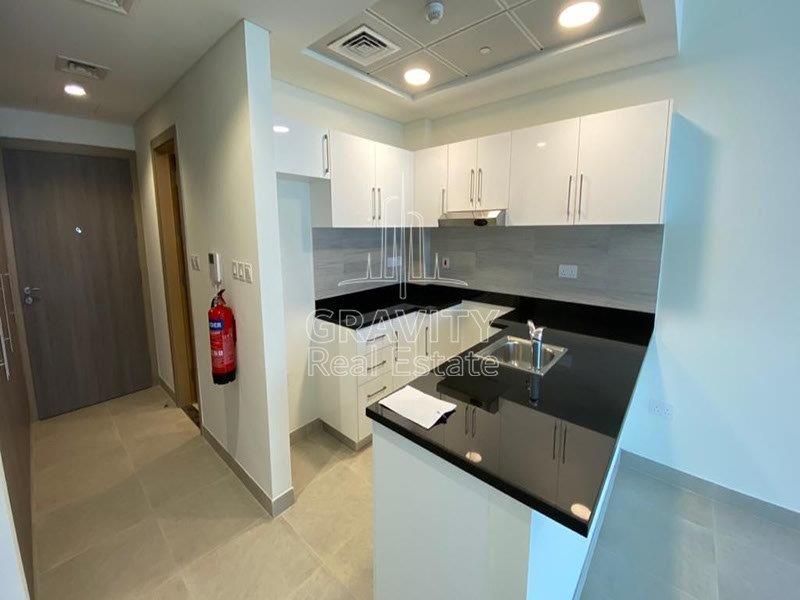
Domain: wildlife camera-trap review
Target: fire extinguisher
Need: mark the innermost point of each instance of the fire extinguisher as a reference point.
(222, 331)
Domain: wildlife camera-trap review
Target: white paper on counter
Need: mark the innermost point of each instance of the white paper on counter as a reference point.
(417, 406)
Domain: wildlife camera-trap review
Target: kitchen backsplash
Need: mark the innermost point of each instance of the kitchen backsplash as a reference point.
(618, 266)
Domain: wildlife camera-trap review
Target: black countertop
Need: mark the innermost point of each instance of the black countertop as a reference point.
(548, 440)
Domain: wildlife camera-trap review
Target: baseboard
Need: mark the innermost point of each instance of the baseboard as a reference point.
(770, 512)
(304, 431)
(169, 391)
(273, 507)
(354, 446)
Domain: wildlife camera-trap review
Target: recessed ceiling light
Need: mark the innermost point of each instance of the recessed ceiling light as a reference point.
(417, 76)
(581, 511)
(280, 129)
(485, 50)
(541, 144)
(578, 14)
(73, 89)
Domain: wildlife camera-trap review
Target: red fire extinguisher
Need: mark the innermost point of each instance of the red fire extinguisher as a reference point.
(222, 331)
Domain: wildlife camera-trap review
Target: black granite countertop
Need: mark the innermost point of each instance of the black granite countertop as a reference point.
(548, 440)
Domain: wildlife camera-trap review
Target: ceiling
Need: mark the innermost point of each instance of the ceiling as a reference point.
(148, 50)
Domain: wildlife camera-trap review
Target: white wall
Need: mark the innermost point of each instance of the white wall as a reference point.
(32, 125)
(297, 254)
(222, 113)
(726, 352)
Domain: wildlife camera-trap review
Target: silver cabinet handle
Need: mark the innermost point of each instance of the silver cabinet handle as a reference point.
(375, 339)
(474, 421)
(564, 446)
(444, 210)
(480, 185)
(555, 430)
(326, 154)
(373, 394)
(580, 197)
(427, 331)
(466, 421)
(380, 203)
(569, 195)
(373, 204)
(378, 366)
(471, 186)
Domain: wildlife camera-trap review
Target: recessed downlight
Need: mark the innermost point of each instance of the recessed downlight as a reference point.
(73, 89)
(280, 129)
(417, 76)
(485, 50)
(578, 14)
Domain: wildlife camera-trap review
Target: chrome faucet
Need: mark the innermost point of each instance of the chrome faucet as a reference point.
(536, 344)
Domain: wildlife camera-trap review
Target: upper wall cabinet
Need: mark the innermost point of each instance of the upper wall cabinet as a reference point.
(430, 185)
(300, 148)
(478, 173)
(544, 164)
(394, 185)
(621, 165)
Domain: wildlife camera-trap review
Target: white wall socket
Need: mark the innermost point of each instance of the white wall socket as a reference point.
(568, 271)
(393, 261)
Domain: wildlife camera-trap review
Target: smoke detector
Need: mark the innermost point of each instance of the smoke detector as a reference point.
(120, 6)
(81, 68)
(363, 46)
(434, 11)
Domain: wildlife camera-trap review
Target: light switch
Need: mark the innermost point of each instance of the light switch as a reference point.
(235, 269)
(194, 260)
(248, 272)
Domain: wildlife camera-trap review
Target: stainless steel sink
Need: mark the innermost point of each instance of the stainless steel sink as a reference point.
(518, 353)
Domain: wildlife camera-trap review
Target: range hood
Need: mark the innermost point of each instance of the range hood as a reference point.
(473, 218)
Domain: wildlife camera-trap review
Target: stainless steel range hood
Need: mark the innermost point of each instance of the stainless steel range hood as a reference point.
(473, 218)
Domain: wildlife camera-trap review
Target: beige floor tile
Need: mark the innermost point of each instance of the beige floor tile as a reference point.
(69, 530)
(268, 561)
(149, 436)
(321, 586)
(182, 471)
(71, 444)
(360, 462)
(150, 399)
(331, 509)
(312, 456)
(80, 476)
(351, 563)
(81, 421)
(129, 564)
(174, 589)
(196, 524)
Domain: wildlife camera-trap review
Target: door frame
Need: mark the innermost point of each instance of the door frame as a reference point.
(83, 150)
(169, 137)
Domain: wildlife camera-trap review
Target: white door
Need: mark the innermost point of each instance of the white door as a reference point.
(430, 185)
(394, 182)
(494, 164)
(544, 161)
(621, 165)
(353, 195)
(461, 174)
(300, 148)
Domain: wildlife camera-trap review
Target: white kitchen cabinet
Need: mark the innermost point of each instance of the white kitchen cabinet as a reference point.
(622, 164)
(544, 163)
(430, 185)
(492, 168)
(370, 393)
(353, 194)
(406, 332)
(394, 185)
(302, 150)
(461, 174)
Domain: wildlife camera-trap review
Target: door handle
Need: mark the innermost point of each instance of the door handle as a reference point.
(569, 195)
(580, 197)
(29, 294)
(480, 185)
(471, 186)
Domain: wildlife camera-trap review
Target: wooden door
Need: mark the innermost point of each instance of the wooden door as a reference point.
(353, 193)
(544, 160)
(621, 165)
(494, 164)
(461, 175)
(14, 414)
(430, 184)
(394, 178)
(173, 263)
(74, 229)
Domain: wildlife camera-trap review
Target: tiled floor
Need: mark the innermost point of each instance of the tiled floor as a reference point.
(131, 503)
(661, 542)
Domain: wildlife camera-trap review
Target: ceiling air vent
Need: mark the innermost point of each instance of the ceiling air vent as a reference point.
(120, 6)
(364, 46)
(80, 68)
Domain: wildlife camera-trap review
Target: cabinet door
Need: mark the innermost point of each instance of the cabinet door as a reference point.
(534, 435)
(430, 185)
(494, 164)
(445, 339)
(394, 180)
(583, 459)
(369, 393)
(544, 161)
(461, 175)
(621, 165)
(352, 181)
(405, 337)
(302, 150)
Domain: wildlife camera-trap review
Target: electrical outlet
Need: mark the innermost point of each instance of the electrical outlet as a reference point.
(393, 261)
(445, 262)
(662, 409)
(568, 271)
